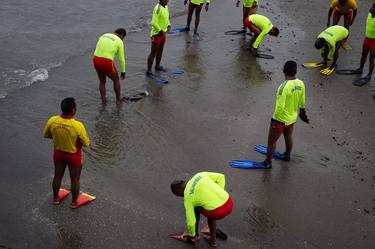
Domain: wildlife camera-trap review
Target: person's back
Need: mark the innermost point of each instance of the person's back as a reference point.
(262, 22)
(289, 98)
(107, 46)
(68, 134)
(206, 189)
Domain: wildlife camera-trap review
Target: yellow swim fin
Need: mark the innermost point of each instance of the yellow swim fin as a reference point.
(327, 71)
(312, 64)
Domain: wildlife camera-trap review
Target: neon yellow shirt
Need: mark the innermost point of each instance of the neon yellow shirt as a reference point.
(265, 26)
(250, 3)
(332, 35)
(108, 45)
(344, 9)
(370, 26)
(199, 2)
(206, 190)
(68, 134)
(160, 19)
(289, 98)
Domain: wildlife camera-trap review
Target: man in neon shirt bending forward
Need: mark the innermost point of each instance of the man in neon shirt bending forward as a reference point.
(203, 194)
(107, 47)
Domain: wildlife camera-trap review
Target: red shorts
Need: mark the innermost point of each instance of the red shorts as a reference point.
(158, 39)
(337, 13)
(220, 212)
(279, 125)
(370, 43)
(104, 65)
(71, 159)
(251, 26)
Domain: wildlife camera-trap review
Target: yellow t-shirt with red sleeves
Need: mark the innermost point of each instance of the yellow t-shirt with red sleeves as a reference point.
(68, 134)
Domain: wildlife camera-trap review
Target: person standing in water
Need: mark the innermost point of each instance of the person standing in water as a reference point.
(160, 27)
(107, 47)
(68, 135)
(195, 5)
(249, 7)
(368, 47)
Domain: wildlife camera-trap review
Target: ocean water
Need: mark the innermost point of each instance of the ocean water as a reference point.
(37, 36)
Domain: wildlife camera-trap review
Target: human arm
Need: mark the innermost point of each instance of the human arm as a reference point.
(336, 54)
(354, 15)
(190, 216)
(330, 11)
(121, 58)
(302, 111)
(82, 135)
(218, 178)
(46, 131)
(259, 37)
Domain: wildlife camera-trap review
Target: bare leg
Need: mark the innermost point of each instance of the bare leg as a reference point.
(75, 174)
(245, 12)
(365, 51)
(198, 9)
(59, 174)
(371, 67)
(190, 14)
(288, 132)
(335, 19)
(212, 226)
(347, 20)
(102, 80)
(151, 57)
(159, 54)
(273, 136)
(116, 86)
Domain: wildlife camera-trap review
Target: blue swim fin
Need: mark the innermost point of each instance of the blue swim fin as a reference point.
(179, 30)
(247, 164)
(263, 150)
(158, 79)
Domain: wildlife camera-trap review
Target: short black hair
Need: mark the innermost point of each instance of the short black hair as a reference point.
(290, 68)
(319, 43)
(121, 31)
(342, 2)
(176, 184)
(67, 105)
(276, 31)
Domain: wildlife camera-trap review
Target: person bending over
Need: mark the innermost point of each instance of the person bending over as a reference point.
(260, 26)
(107, 47)
(329, 43)
(203, 194)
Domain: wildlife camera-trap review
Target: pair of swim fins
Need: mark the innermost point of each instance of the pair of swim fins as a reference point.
(248, 164)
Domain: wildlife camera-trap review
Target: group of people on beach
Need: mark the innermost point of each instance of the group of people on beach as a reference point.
(204, 193)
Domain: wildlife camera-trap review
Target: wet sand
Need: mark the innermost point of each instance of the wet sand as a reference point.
(217, 111)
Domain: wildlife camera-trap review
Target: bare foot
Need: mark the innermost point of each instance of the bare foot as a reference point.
(212, 244)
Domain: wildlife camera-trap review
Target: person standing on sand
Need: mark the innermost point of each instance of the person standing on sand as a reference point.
(195, 5)
(249, 7)
(107, 47)
(368, 47)
(68, 135)
(290, 98)
(203, 194)
(260, 26)
(160, 27)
